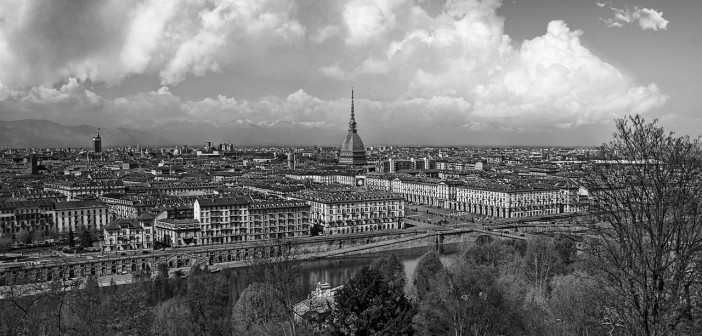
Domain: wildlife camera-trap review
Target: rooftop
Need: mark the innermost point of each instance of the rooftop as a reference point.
(123, 223)
(339, 197)
(79, 204)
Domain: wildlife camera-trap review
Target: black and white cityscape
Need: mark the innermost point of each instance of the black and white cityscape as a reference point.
(391, 167)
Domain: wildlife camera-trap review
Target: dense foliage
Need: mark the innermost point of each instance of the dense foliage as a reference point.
(497, 288)
(646, 259)
(475, 294)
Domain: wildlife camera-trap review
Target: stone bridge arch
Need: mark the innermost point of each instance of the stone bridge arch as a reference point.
(180, 259)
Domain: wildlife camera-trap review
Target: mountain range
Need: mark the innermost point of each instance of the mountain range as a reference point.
(45, 133)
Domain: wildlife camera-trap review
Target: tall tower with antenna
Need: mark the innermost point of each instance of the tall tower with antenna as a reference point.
(352, 152)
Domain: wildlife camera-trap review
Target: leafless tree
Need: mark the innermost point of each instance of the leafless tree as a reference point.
(257, 312)
(645, 254)
(36, 306)
(278, 263)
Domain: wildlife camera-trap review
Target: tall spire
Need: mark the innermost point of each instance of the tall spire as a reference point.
(352, 122)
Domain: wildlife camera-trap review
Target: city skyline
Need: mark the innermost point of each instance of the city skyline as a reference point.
(424, 72)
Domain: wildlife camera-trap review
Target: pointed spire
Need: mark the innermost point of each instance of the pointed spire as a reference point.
(352, 122)
(352, 115)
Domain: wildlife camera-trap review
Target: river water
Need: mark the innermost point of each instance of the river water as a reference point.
(336, 271)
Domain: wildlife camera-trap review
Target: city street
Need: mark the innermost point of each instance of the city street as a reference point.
(430, 217)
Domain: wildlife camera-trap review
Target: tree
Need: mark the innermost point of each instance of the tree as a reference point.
(540, 264)
(52, 233)
(23, 236)
(20, 307)
(647, 193)
(172, 318)
(575, 306)
(483, 239)
(467, 300)
(86, 312)
(428, 266)
(71, 238)
(37, 235)
(257, 311)
(565, 247)
(493, 254)
(162, 286)
(279, 265)
(207, 298)
(55, 305)
(393, 271)
(129, 312)
(86, 238)
(5, 244)
(369, 305)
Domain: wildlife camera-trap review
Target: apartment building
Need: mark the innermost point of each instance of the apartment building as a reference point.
(230, 220)
(72, 215)
(514, 200)
(425, 191)
(71, 189)
(124, 234)
(324, 177)
(133, 205)
(379, 183)
(354, 211)
(16, 216)
(176, 232)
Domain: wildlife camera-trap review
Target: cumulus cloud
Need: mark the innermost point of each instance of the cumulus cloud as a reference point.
(463, 53)
(43, 43)
(248, 27)
(557, 79)
(646, 18)
(416, 73)
(325, 33)
(369, 20)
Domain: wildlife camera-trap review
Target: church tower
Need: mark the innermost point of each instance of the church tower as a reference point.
(97, 142)
(352, 152)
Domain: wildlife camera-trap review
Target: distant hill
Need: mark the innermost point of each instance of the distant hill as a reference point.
(44, 133)
(248, 133)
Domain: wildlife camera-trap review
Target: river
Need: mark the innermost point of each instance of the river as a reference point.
(336, 271)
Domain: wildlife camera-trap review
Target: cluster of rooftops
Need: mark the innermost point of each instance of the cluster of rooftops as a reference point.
(248, 201)
(336, 197)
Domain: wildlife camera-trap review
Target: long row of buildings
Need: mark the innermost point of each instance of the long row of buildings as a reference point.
(502, 198)
(50, 216)
(512, 198)
(506, 198)
(228, 220)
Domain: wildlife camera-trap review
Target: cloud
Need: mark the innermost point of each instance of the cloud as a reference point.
(369, 20)
(325, 33)
(248, 28)
(107, 41)
(419, 77)
(645, 17)
(463, 53)
(557, 80)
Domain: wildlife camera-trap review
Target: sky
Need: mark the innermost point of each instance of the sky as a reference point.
(426, 72)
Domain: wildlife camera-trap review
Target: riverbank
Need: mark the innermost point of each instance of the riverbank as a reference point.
(121, 267)
(354, 247)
